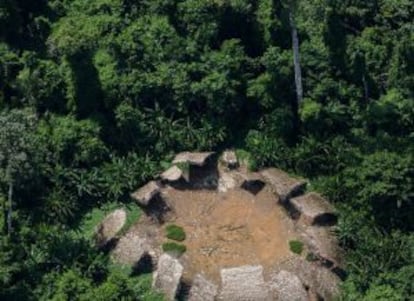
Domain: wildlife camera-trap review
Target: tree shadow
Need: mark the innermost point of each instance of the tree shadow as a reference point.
(144, 266)
(88, 95)
(183, 291)
(335, 40)
(158, 209)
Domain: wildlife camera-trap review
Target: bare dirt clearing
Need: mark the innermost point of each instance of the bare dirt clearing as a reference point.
(239, 227)
(230, 229)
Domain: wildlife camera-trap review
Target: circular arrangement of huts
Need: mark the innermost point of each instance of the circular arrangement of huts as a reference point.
(298, 278)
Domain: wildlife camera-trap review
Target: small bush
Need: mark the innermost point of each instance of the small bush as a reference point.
(311, 257)
(173, 247)
(296, 246)
(175, 232)
(246, 158)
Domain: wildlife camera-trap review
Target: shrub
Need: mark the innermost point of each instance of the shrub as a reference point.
(175, 232)
(296, 246)
(311, 257)
(173, 247)
(245, 158)
(267, 150)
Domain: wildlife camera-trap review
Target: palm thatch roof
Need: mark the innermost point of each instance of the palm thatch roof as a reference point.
(286, 286)
(245, 283)
(314, 209)
(130, 249)
(283, 184)
(202, 289)
(172, 174)
(323, 243)
(167, 277)
(317, 278)
(196, 158)
(110, 226)
(145, 194)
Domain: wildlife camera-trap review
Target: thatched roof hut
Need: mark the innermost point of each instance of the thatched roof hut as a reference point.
(109, 227)
(283, 184)
(317, 278)
(196, 158)
(286, 286)
(172, 174)
(167, 277)
(244, 283)
(323, 243)
(130, 249)
(202, 289)
(145, 194)
(314, 209)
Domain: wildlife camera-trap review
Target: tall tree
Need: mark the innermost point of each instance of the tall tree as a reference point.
(15, 142)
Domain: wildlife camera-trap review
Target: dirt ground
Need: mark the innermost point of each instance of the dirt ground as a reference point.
(230, 229)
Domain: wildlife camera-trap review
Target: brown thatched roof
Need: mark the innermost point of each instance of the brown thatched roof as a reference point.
(168, 276)
(322, 242)
(144, 194)
(110, 226)
(244, 283)
(202, 289)
(130, 249)
(317, 278)
(314, 208)
(198, 159)
(283, 184)
(286, 286)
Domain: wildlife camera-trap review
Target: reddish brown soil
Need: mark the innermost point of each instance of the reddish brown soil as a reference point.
(230, 229)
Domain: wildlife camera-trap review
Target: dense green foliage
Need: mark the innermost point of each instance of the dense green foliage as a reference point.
(95, 94)
(175, 232)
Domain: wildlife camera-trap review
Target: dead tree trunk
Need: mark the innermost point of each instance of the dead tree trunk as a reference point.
(297, 70)
(10, 202)
(5, 211)
(296, 58)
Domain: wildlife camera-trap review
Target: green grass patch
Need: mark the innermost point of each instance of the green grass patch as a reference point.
(173, 247)
(296, 246)
(175, 232)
